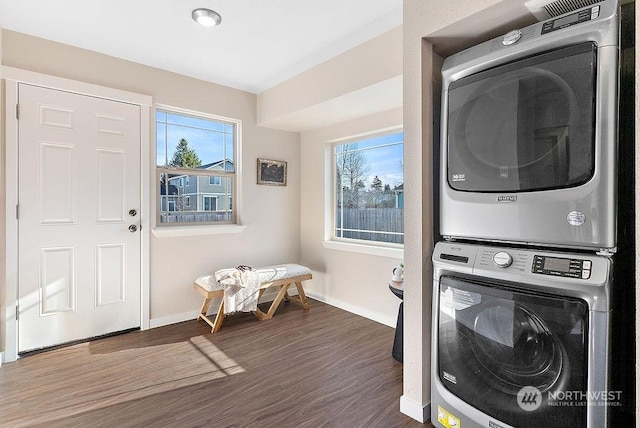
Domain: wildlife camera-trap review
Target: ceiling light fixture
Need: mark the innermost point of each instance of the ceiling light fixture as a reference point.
(206, 17)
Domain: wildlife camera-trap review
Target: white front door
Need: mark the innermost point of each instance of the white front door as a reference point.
(78, 195)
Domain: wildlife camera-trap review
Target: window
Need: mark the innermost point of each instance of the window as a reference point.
(369, 190)
(194, 150)
(210, 203)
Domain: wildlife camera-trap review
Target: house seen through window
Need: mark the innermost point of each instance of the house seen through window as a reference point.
(196, 165)
(369, 189)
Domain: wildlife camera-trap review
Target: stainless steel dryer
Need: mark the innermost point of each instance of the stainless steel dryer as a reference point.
(529, 134)
(520, 338)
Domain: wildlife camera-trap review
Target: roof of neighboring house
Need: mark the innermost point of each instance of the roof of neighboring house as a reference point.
(228, 163)
(213, 165)
(399, 188)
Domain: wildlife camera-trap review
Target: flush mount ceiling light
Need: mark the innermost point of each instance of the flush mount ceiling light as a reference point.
(206, 17)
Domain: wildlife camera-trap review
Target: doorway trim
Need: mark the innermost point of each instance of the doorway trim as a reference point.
(12, 77)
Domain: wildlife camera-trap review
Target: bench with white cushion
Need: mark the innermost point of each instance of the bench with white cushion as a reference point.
(283, 276)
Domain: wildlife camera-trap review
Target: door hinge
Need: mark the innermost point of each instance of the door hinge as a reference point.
(17, 312)
(17, 111)
(17, 212)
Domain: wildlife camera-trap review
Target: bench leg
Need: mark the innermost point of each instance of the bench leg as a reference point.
(302, 298)
(274, 304)
(258, 313)
(204, 308)
(217, 323)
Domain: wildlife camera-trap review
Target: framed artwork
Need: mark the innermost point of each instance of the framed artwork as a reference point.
(272, 172)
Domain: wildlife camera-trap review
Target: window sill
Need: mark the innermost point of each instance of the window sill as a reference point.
(179, 231)
(395, 253)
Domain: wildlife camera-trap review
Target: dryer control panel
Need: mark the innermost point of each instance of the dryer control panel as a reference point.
(560, 266)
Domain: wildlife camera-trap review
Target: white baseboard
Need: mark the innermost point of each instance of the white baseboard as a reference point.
(366, 313)
(172, 319)
(193, 315)
(267, 297)
(414, 410)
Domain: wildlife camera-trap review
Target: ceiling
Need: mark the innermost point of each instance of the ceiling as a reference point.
(259, 44)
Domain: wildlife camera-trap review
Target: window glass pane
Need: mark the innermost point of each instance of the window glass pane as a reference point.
(369, 189)
(192, 143)
(200, 202)
(194, 122)
(229, 143)
(208, 148)
(161, 145)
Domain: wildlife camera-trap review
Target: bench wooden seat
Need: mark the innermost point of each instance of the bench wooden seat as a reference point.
(283, 276)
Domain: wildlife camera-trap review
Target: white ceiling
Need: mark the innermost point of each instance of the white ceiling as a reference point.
(259, 44)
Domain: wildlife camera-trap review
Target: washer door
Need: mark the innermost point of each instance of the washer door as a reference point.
(493, 341)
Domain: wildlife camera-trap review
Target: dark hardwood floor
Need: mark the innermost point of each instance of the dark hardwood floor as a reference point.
(319, 368)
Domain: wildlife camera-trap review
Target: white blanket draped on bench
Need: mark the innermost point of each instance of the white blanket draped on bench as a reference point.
(279, 275)
(241, 287)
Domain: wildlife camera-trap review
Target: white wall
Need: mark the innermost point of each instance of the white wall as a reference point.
(351, 280)
(271, 214)
(451, 26)
(3, 254)
(361, 81)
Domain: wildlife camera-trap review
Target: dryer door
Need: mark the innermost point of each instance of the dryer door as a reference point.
(524, 126)
(494, 340)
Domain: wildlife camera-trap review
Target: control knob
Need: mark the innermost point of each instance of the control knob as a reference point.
(502, 259)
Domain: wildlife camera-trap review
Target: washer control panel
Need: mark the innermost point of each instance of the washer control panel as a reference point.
(560, 266)
(569, 20)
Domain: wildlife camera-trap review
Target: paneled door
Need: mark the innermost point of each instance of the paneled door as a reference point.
(78, 217)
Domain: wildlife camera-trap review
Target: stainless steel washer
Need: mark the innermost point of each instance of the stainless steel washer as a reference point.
(520, 337)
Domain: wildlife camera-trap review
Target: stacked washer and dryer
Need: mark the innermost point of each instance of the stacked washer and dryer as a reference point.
(534, 277)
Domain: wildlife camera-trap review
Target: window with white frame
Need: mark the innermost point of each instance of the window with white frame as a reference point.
(192, 151)
(210, 203)
(369, 190)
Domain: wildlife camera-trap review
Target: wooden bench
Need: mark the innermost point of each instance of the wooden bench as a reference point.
(282, 276)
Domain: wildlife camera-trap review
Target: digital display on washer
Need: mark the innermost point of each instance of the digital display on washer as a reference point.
(573, 19)
(566, 20)
(557, 265)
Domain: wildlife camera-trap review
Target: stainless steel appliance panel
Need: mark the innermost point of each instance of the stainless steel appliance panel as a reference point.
(543, 197)
(505, 319)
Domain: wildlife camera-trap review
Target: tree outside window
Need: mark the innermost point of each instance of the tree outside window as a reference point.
(369, 189)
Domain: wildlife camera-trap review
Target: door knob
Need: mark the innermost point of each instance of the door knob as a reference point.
(133, 213)
(133, 228)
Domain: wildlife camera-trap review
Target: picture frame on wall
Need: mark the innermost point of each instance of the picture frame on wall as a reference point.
(272, 172)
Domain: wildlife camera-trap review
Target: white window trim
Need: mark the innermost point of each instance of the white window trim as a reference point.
(330, 242)
(196, 229)
(364, 248)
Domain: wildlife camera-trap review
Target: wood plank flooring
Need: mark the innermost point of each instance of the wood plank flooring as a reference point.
(319, 368)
